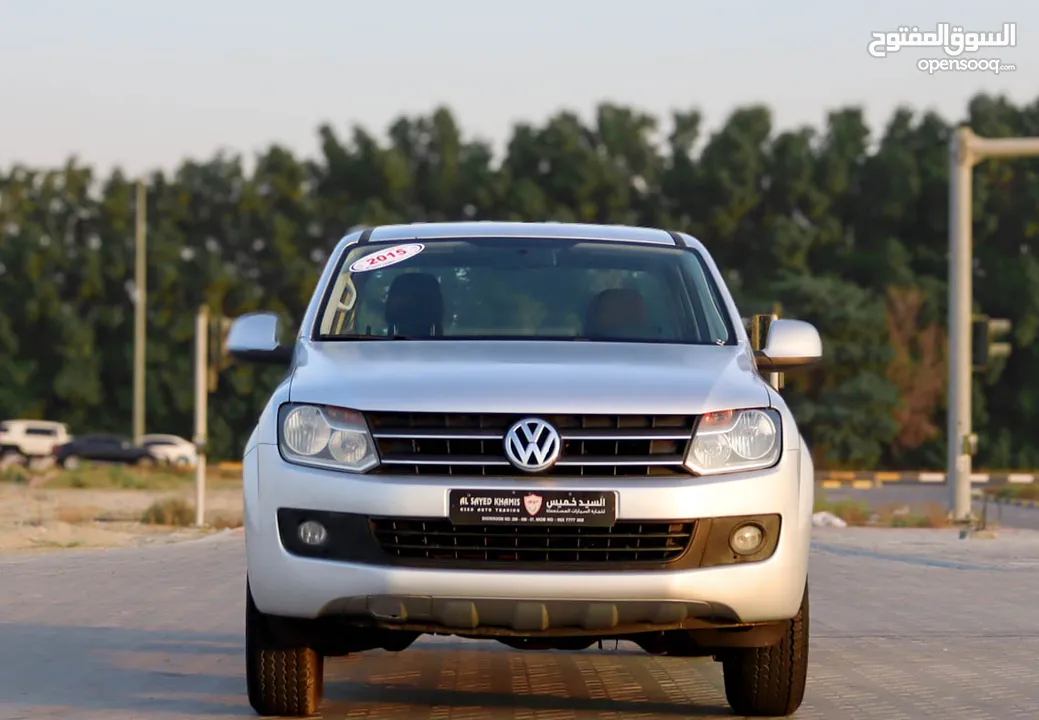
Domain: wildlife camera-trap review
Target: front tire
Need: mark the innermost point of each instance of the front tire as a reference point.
(770, 681)
(283, 678)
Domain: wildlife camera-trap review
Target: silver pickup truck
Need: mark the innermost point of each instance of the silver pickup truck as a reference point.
(544, 434)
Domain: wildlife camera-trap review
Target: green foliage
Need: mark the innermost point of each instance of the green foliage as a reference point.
(846, 405)
(825, 220)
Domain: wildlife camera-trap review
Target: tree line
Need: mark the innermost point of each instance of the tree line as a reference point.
(844, 226)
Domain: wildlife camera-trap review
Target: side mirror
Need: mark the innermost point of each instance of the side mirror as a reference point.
(790, 344)
(253, 338)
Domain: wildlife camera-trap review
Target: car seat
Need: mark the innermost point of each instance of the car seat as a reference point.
(618, 313)
(415, 306)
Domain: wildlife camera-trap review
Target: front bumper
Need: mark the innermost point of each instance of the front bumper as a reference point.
(531, 600)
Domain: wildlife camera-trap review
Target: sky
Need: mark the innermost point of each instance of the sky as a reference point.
(145, 85)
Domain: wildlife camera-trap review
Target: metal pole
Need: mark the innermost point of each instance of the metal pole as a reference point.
(965, 151)
(201, 401)
(958, 471)
(983, 147)
(140, 312)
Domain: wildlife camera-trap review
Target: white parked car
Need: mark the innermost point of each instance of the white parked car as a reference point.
(544, 434)
(171, 449)
(32, 438)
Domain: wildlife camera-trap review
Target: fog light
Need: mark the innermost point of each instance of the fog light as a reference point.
(312, 533)
(747, 539)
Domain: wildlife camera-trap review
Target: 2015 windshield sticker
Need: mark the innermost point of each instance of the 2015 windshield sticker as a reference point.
(384, 258)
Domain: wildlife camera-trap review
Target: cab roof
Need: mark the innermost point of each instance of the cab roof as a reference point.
(547, 230)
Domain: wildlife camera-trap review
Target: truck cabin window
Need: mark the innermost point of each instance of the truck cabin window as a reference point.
(524, 289)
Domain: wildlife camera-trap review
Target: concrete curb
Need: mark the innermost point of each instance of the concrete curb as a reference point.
(868, 479)
(864, 479)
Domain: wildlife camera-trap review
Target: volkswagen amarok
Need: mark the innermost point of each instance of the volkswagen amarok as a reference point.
(544, 434)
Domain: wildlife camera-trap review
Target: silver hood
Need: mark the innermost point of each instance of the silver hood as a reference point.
(532, 377)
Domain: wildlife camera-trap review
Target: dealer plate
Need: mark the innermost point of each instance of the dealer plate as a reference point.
(588, 508)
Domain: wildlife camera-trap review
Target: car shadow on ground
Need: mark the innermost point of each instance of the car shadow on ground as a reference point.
(346, 699)
(151, 673)
(487, 679)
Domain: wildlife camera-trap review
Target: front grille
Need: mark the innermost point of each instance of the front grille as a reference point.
(629, 543)
(465, 444)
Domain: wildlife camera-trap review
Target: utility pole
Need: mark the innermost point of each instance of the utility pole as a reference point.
(965, 151)
(140, 312)
(201, 409)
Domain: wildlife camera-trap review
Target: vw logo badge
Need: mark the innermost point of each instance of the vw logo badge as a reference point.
(532, 445)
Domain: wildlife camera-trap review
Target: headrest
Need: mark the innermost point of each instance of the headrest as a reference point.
(414, 305)
(616, 311)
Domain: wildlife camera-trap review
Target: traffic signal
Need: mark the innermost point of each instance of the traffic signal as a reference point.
(757, 329)
(757, 326)
(989, 340)
(219, 359)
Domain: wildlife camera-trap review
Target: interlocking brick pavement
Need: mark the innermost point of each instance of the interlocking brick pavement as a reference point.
(906, 624)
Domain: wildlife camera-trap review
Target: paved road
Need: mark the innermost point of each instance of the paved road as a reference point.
(922, 494)
(906, 624)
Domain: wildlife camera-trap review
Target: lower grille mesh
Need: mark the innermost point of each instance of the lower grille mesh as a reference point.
(626, 542)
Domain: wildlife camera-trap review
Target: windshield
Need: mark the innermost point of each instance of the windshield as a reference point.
(524, 288)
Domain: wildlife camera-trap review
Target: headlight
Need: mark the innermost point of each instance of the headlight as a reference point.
(735, 440)
(328, 437)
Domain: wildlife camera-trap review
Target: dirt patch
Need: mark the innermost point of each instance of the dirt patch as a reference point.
(858, 512)
(56, 536)
(49, 519)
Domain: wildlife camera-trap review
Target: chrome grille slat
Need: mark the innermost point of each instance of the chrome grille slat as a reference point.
(472, 444)
(440, 460)
(421, 434)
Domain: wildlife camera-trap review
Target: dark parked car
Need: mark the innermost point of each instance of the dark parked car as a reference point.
(102, 448)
